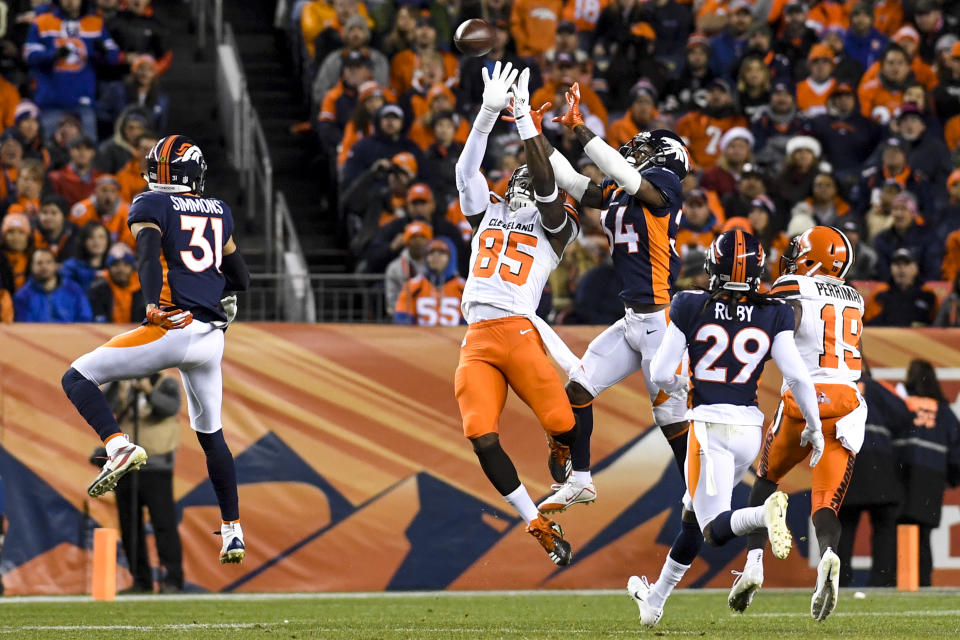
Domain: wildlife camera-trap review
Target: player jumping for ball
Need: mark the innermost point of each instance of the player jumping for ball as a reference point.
(186, 259)
(516, 245)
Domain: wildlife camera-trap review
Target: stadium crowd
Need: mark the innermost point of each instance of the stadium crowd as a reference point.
(80, 106)
(795, 112)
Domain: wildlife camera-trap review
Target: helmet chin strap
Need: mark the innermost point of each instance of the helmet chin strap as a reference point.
(168, 188)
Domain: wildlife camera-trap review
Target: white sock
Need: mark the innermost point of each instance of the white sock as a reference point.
(232, 527)
(670, 576)
(582, 477)
(520, 500)
(755, 556)
(745, 520)
(115, 444)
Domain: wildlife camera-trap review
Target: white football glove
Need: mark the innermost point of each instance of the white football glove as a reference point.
(496, 87)
(520, 94)
(813, 436)
(229, 306)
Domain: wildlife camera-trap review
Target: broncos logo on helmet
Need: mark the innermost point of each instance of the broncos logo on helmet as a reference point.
(176, 165)
(657, 148)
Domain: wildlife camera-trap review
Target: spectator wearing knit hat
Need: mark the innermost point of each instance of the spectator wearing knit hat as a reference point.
(795, 38)
(16, 244)
(701, 129)
(377, 197)
(421, 207)
(116, 297)
(904, 300)
(892, 166)
(432, 298)
(736, 147)
(27, 129)
(947, 94)
(410, 263)
(927, 154)
(862, 41)
(775, 125)
(813, 92)
(907, 232)
(750, 185)
(795, 181)
(386, 142)
(688, 90)
(639, 116)
(339, 103)
(847, 136)
(356, 37)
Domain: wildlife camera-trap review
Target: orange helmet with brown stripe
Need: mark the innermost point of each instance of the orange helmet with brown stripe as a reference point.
(176, 165)
(735, 261)
(820, 250)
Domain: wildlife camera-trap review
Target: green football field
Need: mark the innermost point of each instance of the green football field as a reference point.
(588, 614)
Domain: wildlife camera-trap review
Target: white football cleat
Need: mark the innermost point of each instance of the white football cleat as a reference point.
(568, 494)
(775, 519)
(125, 460)
(745, 586)
(233, 549)
(828, 578)
(639, 589)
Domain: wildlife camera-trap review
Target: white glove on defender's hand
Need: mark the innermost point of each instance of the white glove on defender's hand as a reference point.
(520, 93)
(496, 87)
(229, 306)
(813, 436)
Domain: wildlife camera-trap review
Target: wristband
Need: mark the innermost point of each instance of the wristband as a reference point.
(526, 127)
(485, 120)
(558, 229)
(549, 198)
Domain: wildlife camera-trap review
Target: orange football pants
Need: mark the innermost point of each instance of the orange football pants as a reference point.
(782, 451)
(501, 352)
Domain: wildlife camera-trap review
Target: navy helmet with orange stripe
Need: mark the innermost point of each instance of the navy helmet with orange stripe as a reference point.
(735, 262)
(176, 165)
(657, 148)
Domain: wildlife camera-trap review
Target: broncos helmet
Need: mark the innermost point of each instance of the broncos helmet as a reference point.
(520, 189)
(176, 165)
(735, 262)
(657, 148)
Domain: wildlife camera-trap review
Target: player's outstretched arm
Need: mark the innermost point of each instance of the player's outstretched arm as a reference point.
(785, 354)
(553, 216)
(474, 193)
(606, 157)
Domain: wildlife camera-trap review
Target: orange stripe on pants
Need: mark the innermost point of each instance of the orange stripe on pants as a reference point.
(137, 337)
(502, 352)
(693, 463)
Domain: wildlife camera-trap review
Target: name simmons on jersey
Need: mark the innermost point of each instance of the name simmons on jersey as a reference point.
(196, 205)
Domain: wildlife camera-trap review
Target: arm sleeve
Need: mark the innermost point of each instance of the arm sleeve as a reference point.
(38, 51)
(613, 164)
(148, 265)
(663, 369)
(235, 272)
(795, 374)
(474, 193)
(568, 178)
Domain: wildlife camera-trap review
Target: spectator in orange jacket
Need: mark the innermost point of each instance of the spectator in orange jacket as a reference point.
(951, 260)
(813, 92)
(319, 15)
(533, 24)
(909, 40)
(9, 99)
(583, 14)
(11, 157)
(432, 298)
(116, 297)
(54, 231)
(131, 176)
(640, 115)
(880, 96)
(698, 226)
(405, 65)
(15, 248)
(888, 16)
(702, 129)
(370, 97)
(440, 100)
(105, 206)
(26, 199)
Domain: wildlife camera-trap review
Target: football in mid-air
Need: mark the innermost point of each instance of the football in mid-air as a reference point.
(474, 37)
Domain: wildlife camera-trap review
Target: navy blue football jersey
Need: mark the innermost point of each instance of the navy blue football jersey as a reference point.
(642, 238)
(727, 354)
(194, 230)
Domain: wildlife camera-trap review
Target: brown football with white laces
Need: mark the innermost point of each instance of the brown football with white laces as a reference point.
(474, 37)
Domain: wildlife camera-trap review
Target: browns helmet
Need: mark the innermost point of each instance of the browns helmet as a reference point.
(820, 250)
